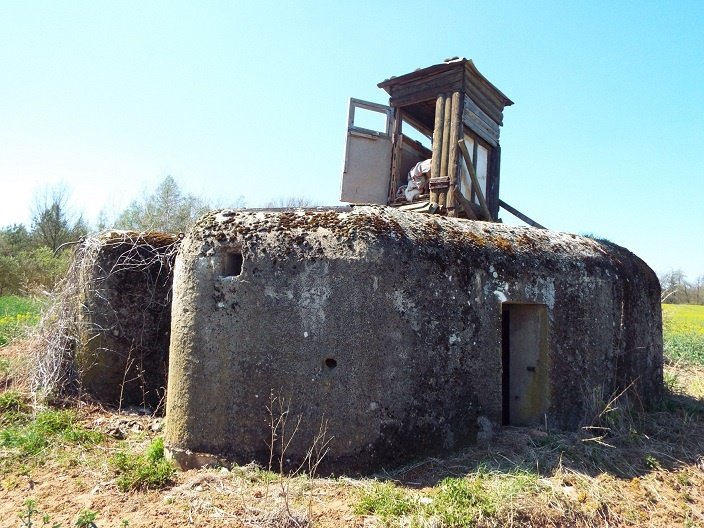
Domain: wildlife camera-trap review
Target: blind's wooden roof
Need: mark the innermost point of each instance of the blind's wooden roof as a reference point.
(425, 84)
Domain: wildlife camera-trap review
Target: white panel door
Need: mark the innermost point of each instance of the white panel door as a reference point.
(367, 170)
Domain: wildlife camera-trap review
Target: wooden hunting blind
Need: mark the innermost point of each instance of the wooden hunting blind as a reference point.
(458, 112)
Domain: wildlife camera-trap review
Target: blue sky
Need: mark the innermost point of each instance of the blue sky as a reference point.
(232, 99)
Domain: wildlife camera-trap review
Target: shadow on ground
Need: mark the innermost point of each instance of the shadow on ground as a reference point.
(623, 443)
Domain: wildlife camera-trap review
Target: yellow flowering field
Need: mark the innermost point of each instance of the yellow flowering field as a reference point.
(17, 316)
(683, 332)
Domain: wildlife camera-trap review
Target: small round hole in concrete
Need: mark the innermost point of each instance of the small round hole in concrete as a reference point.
(330, 363)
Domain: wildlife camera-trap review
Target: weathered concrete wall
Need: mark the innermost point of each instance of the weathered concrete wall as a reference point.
(389, 326)
(124, 316)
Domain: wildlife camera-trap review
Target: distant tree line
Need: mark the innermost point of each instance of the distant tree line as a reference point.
(676, 289)
(167, 210)
(34, 258)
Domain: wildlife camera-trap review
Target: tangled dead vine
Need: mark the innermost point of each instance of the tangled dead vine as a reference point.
(83, 308)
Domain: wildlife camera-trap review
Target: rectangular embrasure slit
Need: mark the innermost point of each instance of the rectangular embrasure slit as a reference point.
(231, 263)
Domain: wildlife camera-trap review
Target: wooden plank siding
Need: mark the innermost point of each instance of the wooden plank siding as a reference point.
(397, 143)
(423, 88)
(479, 122)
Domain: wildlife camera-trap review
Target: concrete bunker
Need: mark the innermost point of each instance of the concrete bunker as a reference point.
(399, 334)
(400, 331)
(108, 336)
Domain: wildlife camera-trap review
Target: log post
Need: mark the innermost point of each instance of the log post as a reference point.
(446, 117)
(437, 142)
(446, 140)
(452, 165)
(395, 155)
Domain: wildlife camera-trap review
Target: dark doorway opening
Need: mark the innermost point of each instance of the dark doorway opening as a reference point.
(505, 371)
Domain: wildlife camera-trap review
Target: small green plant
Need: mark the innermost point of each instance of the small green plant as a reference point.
(150, 470)
(652, 462)
(4, 366)
(386, 501)
(259, 474)
(460, 501)
(683, 479)
(30, 510)
(86, 519)
(28, 516)
(454, 502)
(12, 402)
(597, 238)
(155, 451)
(671, 382)
(14, 410)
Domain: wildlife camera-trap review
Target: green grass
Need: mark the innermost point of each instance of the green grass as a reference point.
(386, 501)
(17, 316)
(25, 436)
(150, 470)
(454, 502)
(683, 333)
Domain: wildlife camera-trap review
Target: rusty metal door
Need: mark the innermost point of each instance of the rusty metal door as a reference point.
(367, 170)
(525, 363)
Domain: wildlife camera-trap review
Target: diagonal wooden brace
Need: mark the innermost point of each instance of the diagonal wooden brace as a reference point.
(475, 182)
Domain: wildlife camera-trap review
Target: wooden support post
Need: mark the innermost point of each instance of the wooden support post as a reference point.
(437, 142)
(452, 165)
(520, 215)
(446, 118)
(446, 140)
(473, 177)
(395, 155)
